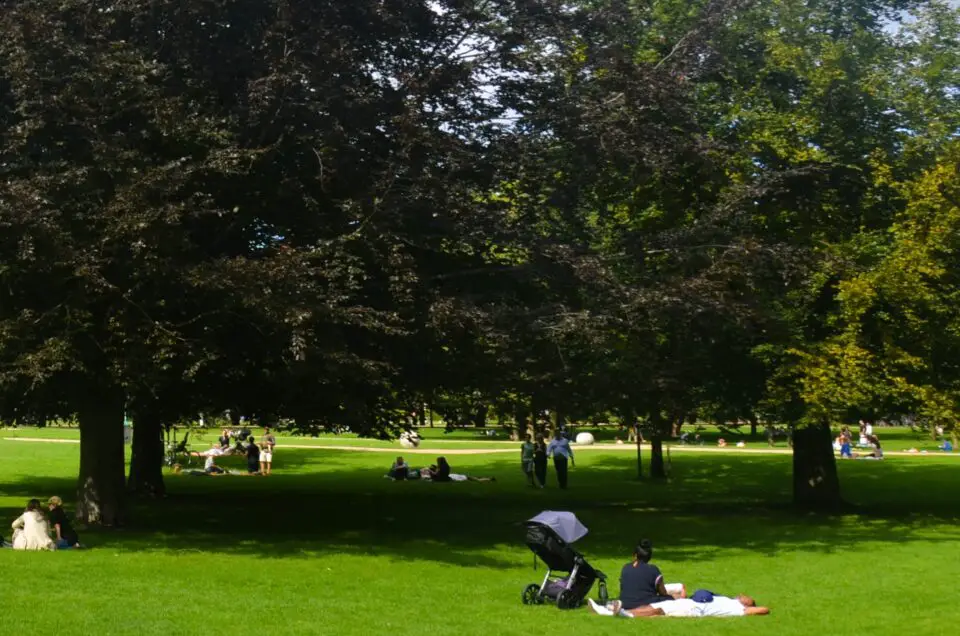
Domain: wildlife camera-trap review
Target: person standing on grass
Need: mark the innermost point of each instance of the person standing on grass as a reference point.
(253, 456)
(562, 453)
(66, 536)
(527, 450)
(266, 451)
(540, 461)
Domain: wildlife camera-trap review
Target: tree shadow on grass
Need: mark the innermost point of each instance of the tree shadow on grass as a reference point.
(711, 505)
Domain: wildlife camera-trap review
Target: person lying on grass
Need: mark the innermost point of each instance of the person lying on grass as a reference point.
(217, 451)
(441, 472)
(703, 604)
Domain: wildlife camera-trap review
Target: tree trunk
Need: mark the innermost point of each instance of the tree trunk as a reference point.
(631, 421)
(657, 467)
(816, 484)
(753, 425)
(100, 487)
(146, 464)
(677, 427)
(558, 420)
(480, 416)
(422, 414)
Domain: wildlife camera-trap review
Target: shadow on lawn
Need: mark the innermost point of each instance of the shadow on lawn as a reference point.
(712, 503)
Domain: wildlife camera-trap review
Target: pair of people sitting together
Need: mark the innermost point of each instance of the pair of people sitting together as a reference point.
(33, 531)
(643, 594)
(400, 471)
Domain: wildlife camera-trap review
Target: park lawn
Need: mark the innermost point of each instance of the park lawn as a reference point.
(893, 438)
(327, 546)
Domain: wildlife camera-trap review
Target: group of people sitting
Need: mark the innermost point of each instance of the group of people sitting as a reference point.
(643, 594)
(401, 471)
(259, 457)
(34, 531)
(843, 444)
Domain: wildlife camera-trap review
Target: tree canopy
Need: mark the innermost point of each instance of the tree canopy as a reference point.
(335, 213)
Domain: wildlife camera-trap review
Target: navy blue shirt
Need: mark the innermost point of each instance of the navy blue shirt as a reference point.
(638, 585)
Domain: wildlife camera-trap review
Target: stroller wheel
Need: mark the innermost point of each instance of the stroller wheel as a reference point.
(531, 595)
(563, 600)
(604, 596)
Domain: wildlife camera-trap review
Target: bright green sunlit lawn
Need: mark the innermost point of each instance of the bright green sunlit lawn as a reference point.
(327, 546)
(893, 438)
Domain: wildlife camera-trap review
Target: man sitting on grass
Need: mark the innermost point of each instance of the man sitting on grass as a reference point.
(702, 604)
(210, 466)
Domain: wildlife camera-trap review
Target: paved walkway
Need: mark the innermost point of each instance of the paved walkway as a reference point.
(681, 448)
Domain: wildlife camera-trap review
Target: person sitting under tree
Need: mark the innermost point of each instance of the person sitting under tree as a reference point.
(210, 466)
(400, 470)
(66, 536)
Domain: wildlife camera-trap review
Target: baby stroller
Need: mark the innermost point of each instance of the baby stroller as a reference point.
(549, 536)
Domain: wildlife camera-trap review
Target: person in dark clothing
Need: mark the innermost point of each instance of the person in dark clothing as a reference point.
(442, 472)
(641, 584)
(224, 440)
(400, 470)
(66, 536)
(253, 457)
(540, 461)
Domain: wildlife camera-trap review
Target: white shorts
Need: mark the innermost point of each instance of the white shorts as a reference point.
(457, 477)
(266, 457)
(682, 607)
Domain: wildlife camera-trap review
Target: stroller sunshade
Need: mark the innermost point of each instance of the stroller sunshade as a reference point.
(564, 524)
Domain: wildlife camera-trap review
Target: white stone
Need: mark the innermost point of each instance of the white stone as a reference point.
(585, 439)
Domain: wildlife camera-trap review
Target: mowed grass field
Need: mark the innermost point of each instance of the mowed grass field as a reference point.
(327, 546)
(893, 439)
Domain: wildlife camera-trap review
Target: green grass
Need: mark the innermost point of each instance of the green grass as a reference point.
(326, 546)
(893, 438)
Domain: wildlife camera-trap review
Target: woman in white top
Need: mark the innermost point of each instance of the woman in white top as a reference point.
(31, 530)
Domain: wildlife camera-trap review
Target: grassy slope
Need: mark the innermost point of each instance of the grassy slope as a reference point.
(327, 546)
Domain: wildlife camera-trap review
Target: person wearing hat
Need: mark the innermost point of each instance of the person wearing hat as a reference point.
(703, 604)
(66, 536)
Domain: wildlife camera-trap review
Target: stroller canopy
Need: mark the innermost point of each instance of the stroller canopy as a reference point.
(565, 524)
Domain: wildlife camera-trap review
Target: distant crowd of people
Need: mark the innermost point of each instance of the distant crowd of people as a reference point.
(843, 444)
(35, 530)
(259, 456)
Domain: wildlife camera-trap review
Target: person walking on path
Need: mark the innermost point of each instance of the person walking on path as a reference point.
(561, 452)
(540, 461)
(527, 450)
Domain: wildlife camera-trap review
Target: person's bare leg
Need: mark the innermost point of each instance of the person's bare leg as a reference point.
(263, 468)
(269, 467)
(645, 611)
